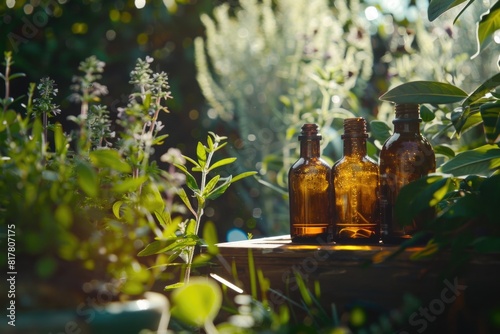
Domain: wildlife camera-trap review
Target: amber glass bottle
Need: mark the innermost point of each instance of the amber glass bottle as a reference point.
(356, 185)
(405, 157)
(310, 191)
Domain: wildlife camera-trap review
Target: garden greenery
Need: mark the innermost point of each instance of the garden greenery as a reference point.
(464, 190)
(92, 198)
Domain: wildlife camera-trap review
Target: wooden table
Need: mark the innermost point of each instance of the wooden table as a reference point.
(345, 276)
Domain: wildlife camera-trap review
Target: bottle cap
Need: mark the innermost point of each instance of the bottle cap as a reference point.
(309, 131)
(355, 128)
(407, 112)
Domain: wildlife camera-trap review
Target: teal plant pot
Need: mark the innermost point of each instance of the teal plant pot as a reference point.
(131, 317)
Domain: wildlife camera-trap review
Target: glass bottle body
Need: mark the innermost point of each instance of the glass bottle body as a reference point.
(310, 195)
(356, 185)
(405, 157)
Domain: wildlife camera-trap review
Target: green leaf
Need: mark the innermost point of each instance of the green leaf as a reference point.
(438, 7)
(483, 89)
(169, 226)
(191, 228)
(210, 237)
(106, 158)
(157, 246)
(380, 130)
(192, 161)
(222, 163)
(197, 302)
(116, 208)
(219, 190)
(182, 194)
(201, 153)
(471, 183)
(466, 120)
(478, 161)
(169, 244)
(211, 185)
(221, 145)
(159, 140)
(490, 113)
(444, 150)
(285, 100)
(164, 218)
(6, 118)
(152, 198)
(87, 178)
(421, 92)
(190, 180)
(147, 101)
(37, 131)
(488, 25)
(420, 195)
(463, 209)
(174, 286)
(210, 143)
(242, 176)
(426, 114)
(201, 259)
(16, 75)
(129, 185)
(60, 141)
(304, 292)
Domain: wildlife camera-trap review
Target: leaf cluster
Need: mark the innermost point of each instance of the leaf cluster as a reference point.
(463, 192)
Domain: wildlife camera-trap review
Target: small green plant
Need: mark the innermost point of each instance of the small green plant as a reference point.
(181, 242)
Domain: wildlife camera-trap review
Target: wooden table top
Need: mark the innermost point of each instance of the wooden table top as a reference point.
(282, 246)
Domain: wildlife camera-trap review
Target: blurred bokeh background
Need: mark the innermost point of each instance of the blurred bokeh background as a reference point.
(251, 70)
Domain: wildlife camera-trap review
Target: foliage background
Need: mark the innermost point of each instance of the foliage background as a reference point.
(50, 38)
(53, 36)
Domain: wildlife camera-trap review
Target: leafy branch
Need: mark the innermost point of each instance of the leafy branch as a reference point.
(7, 77)
(182, 242)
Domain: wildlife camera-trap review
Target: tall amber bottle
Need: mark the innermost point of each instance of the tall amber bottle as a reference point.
(310, 191)
(356, 185)
(405, 157)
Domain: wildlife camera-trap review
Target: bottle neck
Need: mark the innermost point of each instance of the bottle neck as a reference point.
(354, 147)
(354, 137)
(310, 148)
(407, 118)
(406, 126)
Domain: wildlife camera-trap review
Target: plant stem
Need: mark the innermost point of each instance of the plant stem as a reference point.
(200, 208)
(7, 84)
(85, 101)
(45, 125)
(155, 117)
(7, 80)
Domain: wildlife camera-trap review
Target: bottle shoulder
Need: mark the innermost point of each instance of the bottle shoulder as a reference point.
(400, 141)
(308, 163)
(363, 163)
